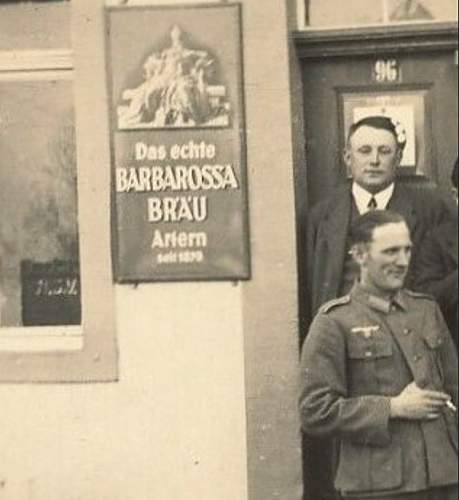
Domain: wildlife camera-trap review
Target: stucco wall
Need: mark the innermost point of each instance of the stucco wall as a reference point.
(205, 404)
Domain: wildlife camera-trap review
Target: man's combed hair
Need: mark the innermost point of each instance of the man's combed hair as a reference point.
(362, 228)
(382, 123)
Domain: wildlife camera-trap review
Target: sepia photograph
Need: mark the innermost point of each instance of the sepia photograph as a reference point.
(229, 249)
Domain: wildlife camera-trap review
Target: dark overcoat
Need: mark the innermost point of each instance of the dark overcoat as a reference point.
(328, 228)
(437, 264)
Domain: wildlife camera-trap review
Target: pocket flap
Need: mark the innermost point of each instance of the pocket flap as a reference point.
(433, 340)
(368, 349)
(364, 468)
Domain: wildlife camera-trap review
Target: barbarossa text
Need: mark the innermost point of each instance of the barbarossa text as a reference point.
(194, 172)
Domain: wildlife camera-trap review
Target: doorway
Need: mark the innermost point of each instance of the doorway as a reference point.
(406, 72)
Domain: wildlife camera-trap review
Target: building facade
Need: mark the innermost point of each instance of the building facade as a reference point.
(178, 389)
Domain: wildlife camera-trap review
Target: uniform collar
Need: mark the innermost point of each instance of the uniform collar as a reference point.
(378, 303)
(362, 197)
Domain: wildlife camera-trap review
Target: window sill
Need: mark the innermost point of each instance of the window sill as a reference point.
(41, 339)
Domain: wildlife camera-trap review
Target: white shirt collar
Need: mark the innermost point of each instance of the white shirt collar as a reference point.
(362, 197)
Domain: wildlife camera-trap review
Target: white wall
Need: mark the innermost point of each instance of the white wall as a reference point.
(172, 428)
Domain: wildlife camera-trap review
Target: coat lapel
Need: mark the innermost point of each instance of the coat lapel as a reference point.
(336, 230)
(401, 203)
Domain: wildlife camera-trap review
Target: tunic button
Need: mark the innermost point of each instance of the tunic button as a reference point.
(368, 354)
(406, 331)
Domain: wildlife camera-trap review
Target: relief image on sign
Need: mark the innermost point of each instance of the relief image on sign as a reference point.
(178, 89)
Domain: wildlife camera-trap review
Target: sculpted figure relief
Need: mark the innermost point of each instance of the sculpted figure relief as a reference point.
(175, 91)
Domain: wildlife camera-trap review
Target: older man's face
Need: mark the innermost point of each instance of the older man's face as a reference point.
(373, 157)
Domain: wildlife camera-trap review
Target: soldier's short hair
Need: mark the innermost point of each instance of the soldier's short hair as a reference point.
(382, 123)
(363, 227)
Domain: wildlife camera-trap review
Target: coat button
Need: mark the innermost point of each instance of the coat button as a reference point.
(368, 354)
(406, 331)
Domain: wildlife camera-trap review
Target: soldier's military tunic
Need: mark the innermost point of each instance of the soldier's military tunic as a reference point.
(362, 350)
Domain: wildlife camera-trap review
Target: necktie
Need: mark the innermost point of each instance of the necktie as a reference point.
(372, 205)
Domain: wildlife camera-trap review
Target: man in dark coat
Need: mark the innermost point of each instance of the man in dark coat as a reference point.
(437, 263)
(373, 153)
(379, 373)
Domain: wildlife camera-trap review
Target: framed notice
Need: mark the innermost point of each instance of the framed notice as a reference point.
(178, 143)
(408, 109)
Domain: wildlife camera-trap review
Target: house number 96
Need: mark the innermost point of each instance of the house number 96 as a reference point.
(386, 70)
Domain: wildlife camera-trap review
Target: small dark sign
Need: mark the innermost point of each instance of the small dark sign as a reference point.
(50, 293)
(178, 143)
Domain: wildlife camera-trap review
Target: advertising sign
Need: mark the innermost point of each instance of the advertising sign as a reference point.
(178, 143)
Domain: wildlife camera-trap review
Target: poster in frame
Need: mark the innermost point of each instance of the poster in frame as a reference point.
(409, 110)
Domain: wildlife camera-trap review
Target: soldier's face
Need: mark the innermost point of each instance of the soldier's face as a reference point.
(384, 263)
(372, 155)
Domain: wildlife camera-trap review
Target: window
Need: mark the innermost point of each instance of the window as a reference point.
(46, 332)
(39, 264)
(337, 14)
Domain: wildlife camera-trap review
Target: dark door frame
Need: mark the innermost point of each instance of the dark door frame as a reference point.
(353, 42)
(400, 39)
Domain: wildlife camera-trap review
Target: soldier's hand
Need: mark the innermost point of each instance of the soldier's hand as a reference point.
(414, 403)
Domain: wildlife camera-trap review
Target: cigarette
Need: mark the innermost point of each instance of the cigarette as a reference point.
(451, 406)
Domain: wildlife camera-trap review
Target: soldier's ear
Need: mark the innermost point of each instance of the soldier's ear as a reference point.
(359, 253)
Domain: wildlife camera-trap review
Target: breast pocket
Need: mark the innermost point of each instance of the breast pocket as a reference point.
(369, 361)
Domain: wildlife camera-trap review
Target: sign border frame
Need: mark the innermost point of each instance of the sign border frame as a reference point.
(241, 130)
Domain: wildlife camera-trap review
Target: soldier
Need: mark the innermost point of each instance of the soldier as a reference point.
(379, 373)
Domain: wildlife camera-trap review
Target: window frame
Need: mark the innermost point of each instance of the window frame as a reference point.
(400, 39)
(67, 353)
